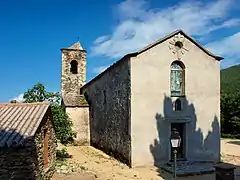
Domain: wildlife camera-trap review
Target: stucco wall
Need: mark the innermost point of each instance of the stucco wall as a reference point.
(80, 119)
(152, 111)
(109, 118)
(26, 163)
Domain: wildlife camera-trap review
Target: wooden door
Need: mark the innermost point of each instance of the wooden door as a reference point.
(45, 148)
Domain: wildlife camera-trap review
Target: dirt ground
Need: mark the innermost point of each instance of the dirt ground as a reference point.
(99, 166)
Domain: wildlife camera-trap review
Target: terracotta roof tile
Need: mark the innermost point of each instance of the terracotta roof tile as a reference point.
(19, 121)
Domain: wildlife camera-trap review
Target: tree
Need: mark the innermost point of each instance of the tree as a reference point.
(13, 101)
(62, 123)
(230, 114)
(39, 94)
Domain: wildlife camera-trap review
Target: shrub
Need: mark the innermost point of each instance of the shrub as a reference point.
(231, 136)
(62, 154)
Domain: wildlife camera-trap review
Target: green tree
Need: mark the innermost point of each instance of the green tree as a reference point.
(230, 102)
(13, 101)
(62, 123)
(38, 93)
(230, 113)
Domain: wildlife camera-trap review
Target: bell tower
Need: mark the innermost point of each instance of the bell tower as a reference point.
(73, 77)
(73, 72)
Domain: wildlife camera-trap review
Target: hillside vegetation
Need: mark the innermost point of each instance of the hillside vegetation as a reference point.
(230, 102)
(230, 79)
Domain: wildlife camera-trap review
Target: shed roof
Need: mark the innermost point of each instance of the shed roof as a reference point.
(72, 100)
(19, 121)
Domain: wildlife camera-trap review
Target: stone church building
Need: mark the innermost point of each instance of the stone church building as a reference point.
(131, 107)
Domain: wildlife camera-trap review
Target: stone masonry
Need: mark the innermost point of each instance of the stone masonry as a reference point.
(48, 172)
(26, 163)
(71, 83)
(74, 103)
(131, 103)
(109, 100)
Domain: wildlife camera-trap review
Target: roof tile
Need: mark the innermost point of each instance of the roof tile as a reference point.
(19, 121)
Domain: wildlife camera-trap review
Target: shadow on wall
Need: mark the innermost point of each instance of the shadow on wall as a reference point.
(196, 147)
(19, 161)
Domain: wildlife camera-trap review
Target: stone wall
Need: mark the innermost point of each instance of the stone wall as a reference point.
(16, 163)
(73, 103)
(109, 100)
(80, 118)
(39, 148)
(26, 163)
(71, 83)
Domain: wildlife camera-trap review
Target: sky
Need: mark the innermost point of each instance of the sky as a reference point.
(33, 32)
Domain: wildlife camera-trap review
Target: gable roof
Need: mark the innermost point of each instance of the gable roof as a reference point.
(19, 121)
(187, 36)
(218, 58)
(74, 47)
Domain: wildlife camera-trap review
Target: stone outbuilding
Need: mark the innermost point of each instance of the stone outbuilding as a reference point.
(27, 141)
(136, 102)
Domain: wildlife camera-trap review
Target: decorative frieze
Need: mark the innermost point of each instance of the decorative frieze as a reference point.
(178, 46)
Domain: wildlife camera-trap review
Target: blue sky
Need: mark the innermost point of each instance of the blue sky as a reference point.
(32, 33)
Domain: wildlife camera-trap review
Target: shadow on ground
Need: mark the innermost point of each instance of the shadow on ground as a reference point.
(234, 142)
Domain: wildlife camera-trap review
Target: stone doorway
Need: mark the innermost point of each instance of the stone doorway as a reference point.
(181, 151)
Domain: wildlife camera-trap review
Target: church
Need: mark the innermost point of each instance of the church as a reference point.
(130, 109)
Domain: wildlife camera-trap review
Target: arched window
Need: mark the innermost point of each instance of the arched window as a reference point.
(177, 79)
(178, 105)
(74, 67)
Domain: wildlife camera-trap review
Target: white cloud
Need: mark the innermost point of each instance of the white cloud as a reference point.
(227, 47)
(99, 69)
(226, 24)
(132, 8)
(19, 98)
(139, 25)
(100, 39)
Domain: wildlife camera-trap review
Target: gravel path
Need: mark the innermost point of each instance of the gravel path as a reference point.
(89, 163)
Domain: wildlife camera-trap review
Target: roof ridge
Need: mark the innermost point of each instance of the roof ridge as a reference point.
(23, 104)
(134, 54)
(193, 40)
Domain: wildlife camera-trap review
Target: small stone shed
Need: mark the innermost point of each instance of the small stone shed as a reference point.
(27, 141)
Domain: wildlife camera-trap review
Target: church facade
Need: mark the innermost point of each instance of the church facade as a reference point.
(134, 104)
